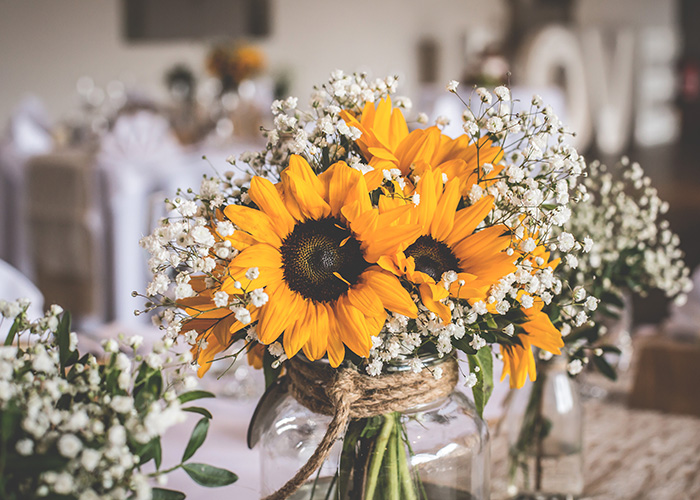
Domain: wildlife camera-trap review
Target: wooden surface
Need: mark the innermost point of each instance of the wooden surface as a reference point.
(629, 454)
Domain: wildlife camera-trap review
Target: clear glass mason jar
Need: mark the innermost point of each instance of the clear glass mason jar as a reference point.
(434, 451)
(545, 436)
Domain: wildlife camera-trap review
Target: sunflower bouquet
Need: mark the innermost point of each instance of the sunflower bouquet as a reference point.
(361, 241)
(232, 64)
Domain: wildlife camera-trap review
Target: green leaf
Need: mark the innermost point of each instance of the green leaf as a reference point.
(63, 341)
(148, 386)
(13, 330)
(271, 373)
(610, 348)
(163, 494)
(483, 360)
(210, 476)
(197, 409)
(491, 322)
(199, 434)
(194, 395)
(604, 367)
(463, 344)
(151, 451)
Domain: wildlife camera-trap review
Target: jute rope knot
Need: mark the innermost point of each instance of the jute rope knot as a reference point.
(346, 394)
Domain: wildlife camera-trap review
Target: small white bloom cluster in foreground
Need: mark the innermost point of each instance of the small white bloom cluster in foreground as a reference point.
(87, 417)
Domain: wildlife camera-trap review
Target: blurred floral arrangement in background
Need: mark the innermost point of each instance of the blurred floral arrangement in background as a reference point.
(83, 427)
(233, 63)
(632, 250)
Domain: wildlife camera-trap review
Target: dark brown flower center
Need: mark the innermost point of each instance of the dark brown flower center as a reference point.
(313, 252)
(432, 257)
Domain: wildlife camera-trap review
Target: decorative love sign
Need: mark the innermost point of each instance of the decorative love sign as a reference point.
(612, 93)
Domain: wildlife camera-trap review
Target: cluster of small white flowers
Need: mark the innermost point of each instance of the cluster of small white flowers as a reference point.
(320, 134)
(631, 246)
(90, 420)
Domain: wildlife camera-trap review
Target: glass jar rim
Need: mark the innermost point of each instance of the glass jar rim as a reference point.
(397, 365)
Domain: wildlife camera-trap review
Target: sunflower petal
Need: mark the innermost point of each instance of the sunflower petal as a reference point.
(444, 217)
(353, 328)
(277, 315)
(431, 294)
(365, 299)
(254, 222)
(260, 255)
(394, 297)
(345, 186)
(297, 335)
(467, 219)
(336, 348)
(265, 195)
(317, 342)
(307, 190)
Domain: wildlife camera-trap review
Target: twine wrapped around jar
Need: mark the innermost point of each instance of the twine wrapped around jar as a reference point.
(347, 394)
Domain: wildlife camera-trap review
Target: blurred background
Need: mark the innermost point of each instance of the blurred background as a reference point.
(107, 107)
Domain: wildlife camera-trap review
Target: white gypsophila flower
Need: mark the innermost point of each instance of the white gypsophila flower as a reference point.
(477, 342)
(63, 485)
(154, 361)
(242, 315)
(470, 380)
(566, 241)
(221, 299)
(258, 297)
(422, 118)
(253, 273)
(574, 367)
(184, 291)
(591, 303)
(187, 208)
(502, 92)
(572, 261)
(374, 367)
(484, 95)
(122, 404)
(276, 349)
(452, 86)
(25, 447)
(224, 228)
(10, 309)
(442, 121)
(69, 445)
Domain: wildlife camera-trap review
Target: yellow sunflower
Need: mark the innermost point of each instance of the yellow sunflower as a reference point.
(318, 269)
(215, 325)
(518, 360)
(447, 241)
(386, 143)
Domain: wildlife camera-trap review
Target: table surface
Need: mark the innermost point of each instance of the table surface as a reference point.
(628, 454)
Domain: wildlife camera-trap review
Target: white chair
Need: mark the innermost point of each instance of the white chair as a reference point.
(67, 232)
(136, 158)
(27, 134)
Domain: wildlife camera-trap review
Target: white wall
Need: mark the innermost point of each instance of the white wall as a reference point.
(46, 45)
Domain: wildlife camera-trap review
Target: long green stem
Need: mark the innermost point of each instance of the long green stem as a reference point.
(391, 468)
(378, 456)
(407, 489)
